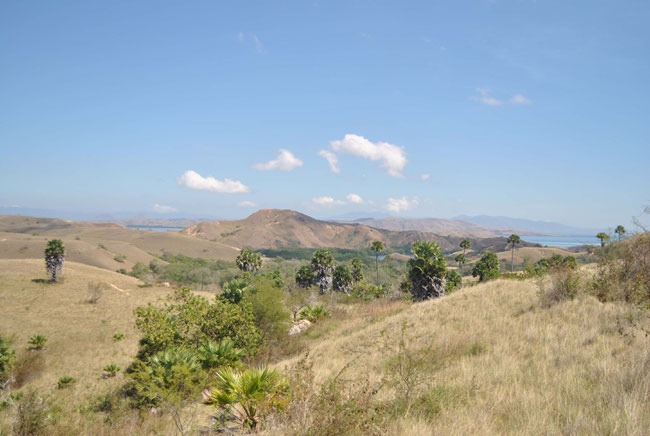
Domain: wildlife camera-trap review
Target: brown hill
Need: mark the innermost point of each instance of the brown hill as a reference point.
(275, 228)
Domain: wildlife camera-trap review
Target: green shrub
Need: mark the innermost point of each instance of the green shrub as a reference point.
(37, 342)
(119, 336)
(111, 370)
(168, 379)
(487, 268)
(314, 313)
(454, 281)
(233, 291)
(247, 396)
(139, 271)
(427, 271)
(189, 320)
(119, 258)
(65, 382)
(266, 301)
(563, 283)
(7, 358)
(34, 414)
(215, 355)
(367, 291)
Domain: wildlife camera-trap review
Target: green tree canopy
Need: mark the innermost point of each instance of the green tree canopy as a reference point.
(343, 279)
(604, 237)
(513, 240)
(620, 231)
(357, 269)
(460, 260)
(54, 255)
(322, 265)
(465, 245)
(427, 271)
(454, 280)
(248, 261)
(305, 276)
(487, 267)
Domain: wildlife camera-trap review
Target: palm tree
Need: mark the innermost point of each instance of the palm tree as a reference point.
(465, 245)
(377, 247)
(620, 231)
(54, 254)
(604, 237)
(243, 394)
(513, 240)
(248, 261)
(460, 259)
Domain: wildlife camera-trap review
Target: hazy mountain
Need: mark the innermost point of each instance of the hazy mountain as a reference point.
(437, 225)
(545, 227)
(274, 228)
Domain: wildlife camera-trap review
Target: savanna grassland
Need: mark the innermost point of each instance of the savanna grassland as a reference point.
(180, 343)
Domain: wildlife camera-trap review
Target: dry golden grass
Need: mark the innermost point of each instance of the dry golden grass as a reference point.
(514, 368)
(80, 335)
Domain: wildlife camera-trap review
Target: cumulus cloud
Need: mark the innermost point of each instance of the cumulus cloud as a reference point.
(164, 209)
(486, 98)
(425, 176)
(246, 204)
(285, 161)
(392, 157)
(326, 201)
(519, 99)
(398, 205)
(354, 198)
(331, 159)
(193, 180)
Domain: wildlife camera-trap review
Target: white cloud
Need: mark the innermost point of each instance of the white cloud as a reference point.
(425, 176)
(326, 201)
(164, 209)
(246, 204)
(331, 159)
(519, 99)
(285, 161)
(393, 157)
(398, 205)
(240, 36)
(243, 38)
(193, 180)
(258, 44)
(485, 98)
(354, 198)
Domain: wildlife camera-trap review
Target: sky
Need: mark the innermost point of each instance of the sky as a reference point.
(529, 109)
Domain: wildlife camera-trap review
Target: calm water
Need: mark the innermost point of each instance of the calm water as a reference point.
(157, 228)
(563, 241)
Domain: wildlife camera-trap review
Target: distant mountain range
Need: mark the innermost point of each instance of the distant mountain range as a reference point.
(529, 226)
(275, 228)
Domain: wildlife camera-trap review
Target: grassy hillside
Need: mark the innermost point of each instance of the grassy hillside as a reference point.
(99, 244)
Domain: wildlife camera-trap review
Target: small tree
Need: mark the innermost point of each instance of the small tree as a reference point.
(465, 245)
(248, 261)
(54, 254)
(343, 279)
(322, 265)
(357, 270)
(454, 280)
(620, 232)
(604, 237)
(305, 276)
(513, 240)
(486, 268)
(461, 260)
(7, 358)
(377, 247)
(427, 271)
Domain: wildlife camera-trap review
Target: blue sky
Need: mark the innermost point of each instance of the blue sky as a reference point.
(538, 110)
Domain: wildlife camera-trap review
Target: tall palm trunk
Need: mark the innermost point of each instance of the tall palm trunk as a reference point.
(377, 266)
(512, 258)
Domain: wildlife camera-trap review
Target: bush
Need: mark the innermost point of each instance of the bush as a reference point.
(139, 271)
(247, 396)
(454, 281)
(367, 291)
(624, 272)
(215, 355)
(168, 379)
(189, 320)
(7, 358)
(563, 284)
(342, 279)
(233, 291)
(119, 258)
(65, 382)
(272, 318)
(111, 370)
(118, 336)
(33, 414)
(427, 271)
(487, 268)
(314, 313)
(37, 342)
(95, 291)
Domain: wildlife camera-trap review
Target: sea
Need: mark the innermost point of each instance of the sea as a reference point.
(157, 228)
(562, 241)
